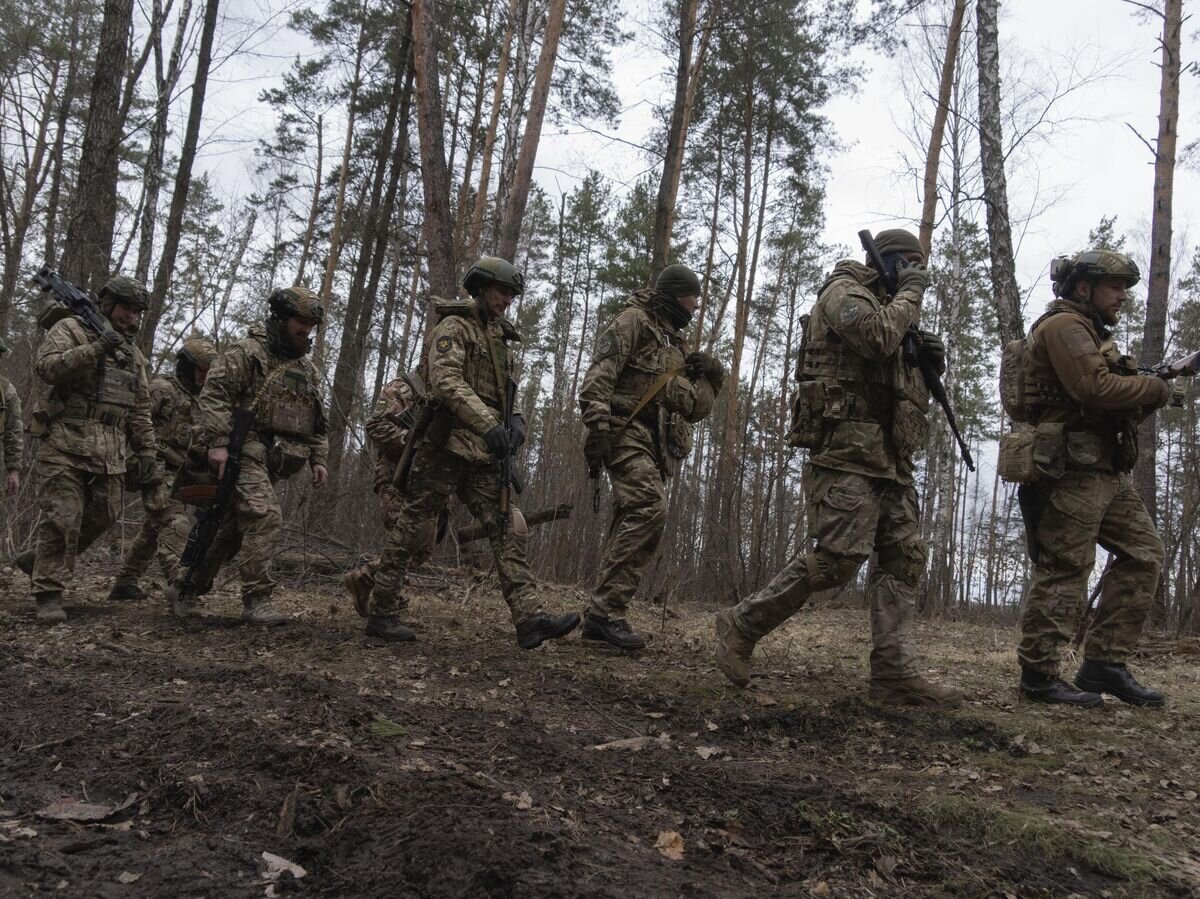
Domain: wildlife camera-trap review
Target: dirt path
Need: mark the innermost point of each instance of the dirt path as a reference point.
(461, 766)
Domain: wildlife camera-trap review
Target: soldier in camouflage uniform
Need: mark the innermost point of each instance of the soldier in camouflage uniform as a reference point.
(98, 411)
(468, 368)
(267, 373)
(12, 445)
(639, 399)
(864, 417)
(388, 430)
(164, 530)
(1086, 401)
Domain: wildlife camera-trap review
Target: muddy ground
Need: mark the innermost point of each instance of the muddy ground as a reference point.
(462, 766)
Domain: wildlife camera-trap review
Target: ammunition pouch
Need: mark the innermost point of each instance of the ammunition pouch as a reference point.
(1033, 456)
(78, 409)
(286, 458)
(808, 415)
(1127, 445)
(1085, 449)
(910, 427)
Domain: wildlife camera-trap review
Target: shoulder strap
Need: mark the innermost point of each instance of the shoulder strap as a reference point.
(651, 392)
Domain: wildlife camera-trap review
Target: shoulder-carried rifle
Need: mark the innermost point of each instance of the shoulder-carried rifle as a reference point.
(210, 517)
(911, 348)
(77, 301)
(506, 472)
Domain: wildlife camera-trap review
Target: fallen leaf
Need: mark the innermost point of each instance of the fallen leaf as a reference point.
(277, 865)
(710, 725)
(764, 700)
(656, 715)
(634, 744)
(670, 845)
(522, 801)
(822, 889)
(886, 864)
(71, 810)
(128, 877)
(707, 752)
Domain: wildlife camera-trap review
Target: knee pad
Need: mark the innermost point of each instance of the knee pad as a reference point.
(905, 561)
(827, 570)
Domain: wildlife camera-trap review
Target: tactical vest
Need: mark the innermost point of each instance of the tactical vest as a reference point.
(104, 393)
(285, 404)
(661, 350)
(173, 424)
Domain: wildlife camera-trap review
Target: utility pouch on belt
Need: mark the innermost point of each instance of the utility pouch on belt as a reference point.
(286, 458)
(808, 415)
(679, 437)
(1084, 448)
(909, 428)
(1015, 463)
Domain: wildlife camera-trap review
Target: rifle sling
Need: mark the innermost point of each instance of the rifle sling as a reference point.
(651, 392)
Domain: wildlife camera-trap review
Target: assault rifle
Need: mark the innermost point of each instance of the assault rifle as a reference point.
(1186, 367)
(506, 473)
(911, 349)
(210, 517)
(79, 303)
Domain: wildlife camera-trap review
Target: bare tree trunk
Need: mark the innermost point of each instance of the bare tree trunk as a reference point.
(183, 180)
(314, 207)
(439, 228)
(1006, 294)
(1159, 281)
(94, 206)
(514, 212)
(929, 204)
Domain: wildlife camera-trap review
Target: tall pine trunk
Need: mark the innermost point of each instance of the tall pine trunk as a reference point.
(945, 83)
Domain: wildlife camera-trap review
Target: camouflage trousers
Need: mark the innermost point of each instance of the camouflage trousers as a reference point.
(77, 507)
(849, 517)
(639, 519)
(435, 476)
(390, 503)
(250, 531)
(1078, 511)
(164, 533)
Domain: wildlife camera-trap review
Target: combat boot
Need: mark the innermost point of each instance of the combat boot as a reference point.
(359, 583)
(257, 609)
(614, 632)
(1116, 680)
(123, 590)
(181, 607)
(914, 691)
(25, 561)
(540, 627)
(1047, 688)
(389, 627)
(734, 649)
(49, 608)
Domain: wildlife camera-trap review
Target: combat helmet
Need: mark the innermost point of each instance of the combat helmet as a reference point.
(299, 301)
(1065, 271)
(493, 270)
(126, 291)
(196, 353)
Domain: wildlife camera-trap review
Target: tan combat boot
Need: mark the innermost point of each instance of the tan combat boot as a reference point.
(733, 649)
(49, 608)
(181, 607)
(914, 691)
(359, 583)
(257, 609)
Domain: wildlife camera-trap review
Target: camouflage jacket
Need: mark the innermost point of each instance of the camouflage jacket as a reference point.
(99, 406)
(12, 444)
(853, 347)
(249, 376)
(633, 353)
(463, 360)
(387, 433)
(173, 410)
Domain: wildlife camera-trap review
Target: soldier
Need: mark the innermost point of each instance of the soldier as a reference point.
(640, 397)
(173, 404)
(389, 432)
(1086, 405)
(866, 417)
(12, 445)
(267, 373)
(97, 410)
(469, 366)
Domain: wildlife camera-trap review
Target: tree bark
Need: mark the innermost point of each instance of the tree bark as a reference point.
(183, 181)
(514, 212)
(929, 204)
(1006, 294)
(315, 206)
(93, 212)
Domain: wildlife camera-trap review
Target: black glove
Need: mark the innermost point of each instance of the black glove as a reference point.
(597, 446)
(912, 276)
(497, 441)
(518, 431)
(113, 341)
(148, 471)
(932, 351)
(703, 365)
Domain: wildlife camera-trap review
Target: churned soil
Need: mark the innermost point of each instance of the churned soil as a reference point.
(139, 757)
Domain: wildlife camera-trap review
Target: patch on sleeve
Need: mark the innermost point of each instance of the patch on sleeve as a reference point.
(850, 314)
(608, 345)
(1078, 341)
(443, 345)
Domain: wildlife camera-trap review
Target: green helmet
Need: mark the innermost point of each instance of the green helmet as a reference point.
(678, 281)
(1092, 264)
(197, 352)
(297, 301)
(126, 291)
(493, 270)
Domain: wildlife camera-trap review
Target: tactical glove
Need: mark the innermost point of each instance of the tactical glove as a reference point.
(148, 471)
(933, 351)
(912, 276)
(497, 441)
(113, 341)
(703, 365)
(518, 431)
(597, 446)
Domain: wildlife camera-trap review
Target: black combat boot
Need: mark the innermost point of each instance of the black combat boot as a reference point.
(540, 627)
(615, 632)
(1046, 688)
(126, 590)
(49, 608)
(1116, 680)
(388, 627)
(25, 561)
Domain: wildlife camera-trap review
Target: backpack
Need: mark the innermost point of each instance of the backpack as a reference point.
(1012, 379)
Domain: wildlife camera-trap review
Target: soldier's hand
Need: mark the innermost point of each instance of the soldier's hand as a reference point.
(596, 447)
(320, 475)
(12, 482)
(700, 364)
(149, 471)
(912, 276)
(933, 351)
(217, 457)
(113, 341)
(497, 441)
(518, 431)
